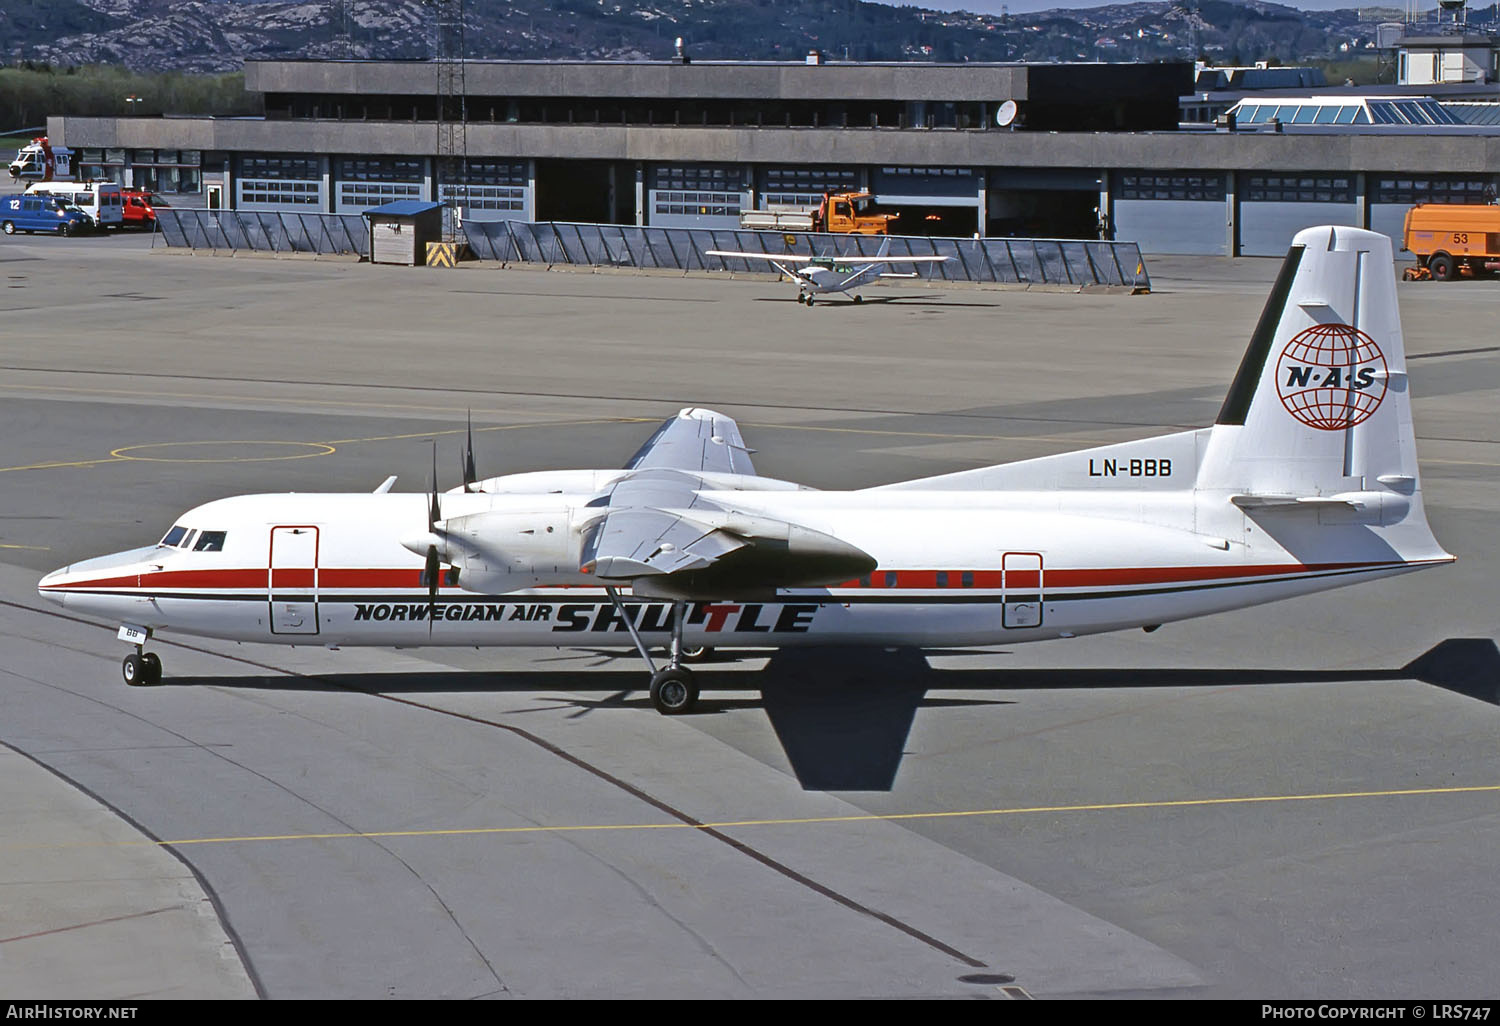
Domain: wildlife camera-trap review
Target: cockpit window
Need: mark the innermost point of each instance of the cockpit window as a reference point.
(173, 536)
(187, 542)
(210, 541)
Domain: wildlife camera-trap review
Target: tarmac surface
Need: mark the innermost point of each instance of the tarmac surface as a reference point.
(1294, 801)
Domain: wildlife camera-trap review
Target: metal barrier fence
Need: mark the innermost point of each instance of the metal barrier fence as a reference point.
(1019, 261)
(264, 230)
(1049, 261)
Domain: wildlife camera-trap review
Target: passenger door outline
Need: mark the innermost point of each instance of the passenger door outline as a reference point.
(1021, 588)
(292, 579)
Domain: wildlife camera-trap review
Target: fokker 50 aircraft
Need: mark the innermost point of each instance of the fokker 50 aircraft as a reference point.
(1307, 481)
(817, 275)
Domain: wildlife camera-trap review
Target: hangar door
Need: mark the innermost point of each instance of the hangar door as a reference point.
(364, 182)
(490, 190)
(1058, 203)
(1172, 211)
(1275, 207)
(697, 195)
(930, 200)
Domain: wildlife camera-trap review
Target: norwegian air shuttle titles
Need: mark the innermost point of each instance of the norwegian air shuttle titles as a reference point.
(1307, 481)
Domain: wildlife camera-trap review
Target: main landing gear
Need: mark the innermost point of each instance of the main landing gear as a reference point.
(674, 690)
(141, 668)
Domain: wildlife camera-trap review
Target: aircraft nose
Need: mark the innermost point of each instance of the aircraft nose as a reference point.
(48, 588)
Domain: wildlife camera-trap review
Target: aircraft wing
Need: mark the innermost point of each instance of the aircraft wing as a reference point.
(632, 543)
(907, 260)
(657, 531)
(785, 258)
(698, 441)
(706, 550)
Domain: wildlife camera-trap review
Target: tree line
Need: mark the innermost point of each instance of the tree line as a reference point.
(30, 92)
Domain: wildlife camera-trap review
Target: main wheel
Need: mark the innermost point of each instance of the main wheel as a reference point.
(133, 669)
(809, 300)
(8, 228)
(673, 691)
(696, 653)
(859, 299)
(152, 667)
(1442, 267)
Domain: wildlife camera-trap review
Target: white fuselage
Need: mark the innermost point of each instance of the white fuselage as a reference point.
(840, 278)
(954, 569)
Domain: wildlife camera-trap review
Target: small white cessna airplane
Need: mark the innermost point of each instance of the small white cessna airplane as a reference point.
(818, 275)
(1307, 481)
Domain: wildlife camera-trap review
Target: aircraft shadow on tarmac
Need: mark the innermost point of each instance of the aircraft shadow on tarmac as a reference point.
(843, 715)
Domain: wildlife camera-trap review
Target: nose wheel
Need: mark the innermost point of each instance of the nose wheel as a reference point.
(141, 669)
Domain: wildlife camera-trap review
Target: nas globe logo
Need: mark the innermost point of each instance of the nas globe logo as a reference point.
(1331, 376)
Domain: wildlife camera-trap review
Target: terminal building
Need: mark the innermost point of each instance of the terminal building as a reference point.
(1048, 150)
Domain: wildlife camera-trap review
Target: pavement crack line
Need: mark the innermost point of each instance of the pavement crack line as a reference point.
(699, 826)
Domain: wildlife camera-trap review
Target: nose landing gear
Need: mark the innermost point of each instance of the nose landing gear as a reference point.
(141, 668)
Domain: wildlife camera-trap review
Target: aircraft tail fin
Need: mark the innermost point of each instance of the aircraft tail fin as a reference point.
(1318, 420)
(1320, 403)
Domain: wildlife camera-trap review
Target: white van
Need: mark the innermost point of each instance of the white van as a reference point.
(102, 201)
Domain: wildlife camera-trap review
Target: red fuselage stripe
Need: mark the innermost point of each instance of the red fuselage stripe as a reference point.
(331, 578)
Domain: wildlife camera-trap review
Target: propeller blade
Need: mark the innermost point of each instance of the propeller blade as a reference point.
(471, 475)
(432, 576)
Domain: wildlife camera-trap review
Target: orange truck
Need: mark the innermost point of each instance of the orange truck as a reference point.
(1451, 240)
(843, 212)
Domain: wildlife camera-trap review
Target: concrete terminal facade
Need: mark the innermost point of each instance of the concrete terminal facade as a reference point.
(1091, 148)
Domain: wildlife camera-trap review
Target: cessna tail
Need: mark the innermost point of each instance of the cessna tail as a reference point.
(1306, 481)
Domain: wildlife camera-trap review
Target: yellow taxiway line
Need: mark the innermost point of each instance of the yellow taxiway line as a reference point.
(1183, 803)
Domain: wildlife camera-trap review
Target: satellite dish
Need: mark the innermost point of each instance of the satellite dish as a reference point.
(1005, 114)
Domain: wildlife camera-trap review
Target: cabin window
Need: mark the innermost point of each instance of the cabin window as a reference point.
(210, 541)
(966, 579)
(890, 579)
(942, 578)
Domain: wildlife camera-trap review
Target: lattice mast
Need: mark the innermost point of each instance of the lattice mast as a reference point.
(452, 170)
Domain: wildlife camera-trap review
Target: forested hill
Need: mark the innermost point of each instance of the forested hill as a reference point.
(215, 35)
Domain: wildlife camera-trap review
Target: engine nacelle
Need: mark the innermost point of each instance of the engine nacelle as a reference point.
(505, 551)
